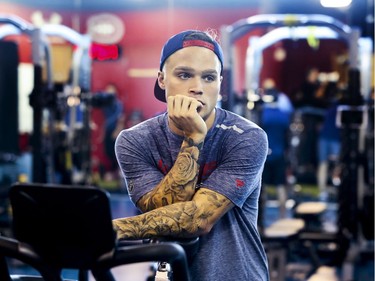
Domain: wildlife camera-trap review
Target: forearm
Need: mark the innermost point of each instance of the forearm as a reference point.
(181, 220)
(180, 182)
(175, 220)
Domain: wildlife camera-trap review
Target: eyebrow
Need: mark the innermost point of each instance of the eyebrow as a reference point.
(186, 68)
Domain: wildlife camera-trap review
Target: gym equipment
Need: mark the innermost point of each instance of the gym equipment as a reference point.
(9, 145)
(277, 238)
(38, 97)
(311, 213)
(324, 273)
(8, 100)
(162, 270)
(354, 121)
(231, 33)
(57, 146)
(73, 154)
(287, 26)
(60, 226)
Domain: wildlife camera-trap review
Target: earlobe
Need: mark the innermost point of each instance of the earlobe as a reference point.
(161, 80)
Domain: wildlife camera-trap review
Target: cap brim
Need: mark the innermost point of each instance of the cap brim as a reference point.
(159, 92)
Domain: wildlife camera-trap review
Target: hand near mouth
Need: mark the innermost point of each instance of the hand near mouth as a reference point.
(183, 113)
(200, 106)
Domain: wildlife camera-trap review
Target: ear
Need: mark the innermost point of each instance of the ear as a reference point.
(161, 80)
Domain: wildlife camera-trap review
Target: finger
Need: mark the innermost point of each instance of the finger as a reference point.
(182, 103)
(194, 106)
(170, 104)
(174, 105)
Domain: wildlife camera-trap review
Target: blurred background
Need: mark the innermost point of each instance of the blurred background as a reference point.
(74, 73)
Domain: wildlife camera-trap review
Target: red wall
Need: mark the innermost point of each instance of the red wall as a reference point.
(145, 33)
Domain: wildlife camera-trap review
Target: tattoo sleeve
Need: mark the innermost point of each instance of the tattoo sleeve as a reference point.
(183, 219)
(179, 184)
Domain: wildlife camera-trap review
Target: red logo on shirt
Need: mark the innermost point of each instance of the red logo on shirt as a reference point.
(163, 168)
(240, 183)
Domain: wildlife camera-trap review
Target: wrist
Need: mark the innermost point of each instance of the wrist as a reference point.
(197, 141)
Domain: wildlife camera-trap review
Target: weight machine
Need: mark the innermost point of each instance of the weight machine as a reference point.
(60, 109)
(352, 116)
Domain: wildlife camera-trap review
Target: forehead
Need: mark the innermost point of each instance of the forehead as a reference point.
(197, 57)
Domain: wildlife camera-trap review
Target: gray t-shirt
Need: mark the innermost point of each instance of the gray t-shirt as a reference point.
(231, 163)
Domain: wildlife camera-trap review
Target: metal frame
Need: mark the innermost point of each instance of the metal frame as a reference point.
(41, 55)
(231, 33)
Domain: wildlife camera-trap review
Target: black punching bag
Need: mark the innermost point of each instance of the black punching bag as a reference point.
(8, 100)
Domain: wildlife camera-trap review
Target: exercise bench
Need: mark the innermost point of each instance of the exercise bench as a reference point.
(59, 227)
(311, 213)
(276, 239)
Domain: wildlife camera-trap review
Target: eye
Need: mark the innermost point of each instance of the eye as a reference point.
(184, 75)
(209, 78)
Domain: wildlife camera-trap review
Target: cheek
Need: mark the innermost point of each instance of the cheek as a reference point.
(173, 86)
(213, 90)
(211, 100)
(172, 89)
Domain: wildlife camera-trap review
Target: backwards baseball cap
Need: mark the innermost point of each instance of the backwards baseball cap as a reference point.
(188, 38)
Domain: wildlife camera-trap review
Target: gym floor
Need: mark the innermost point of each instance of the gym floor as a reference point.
(296, 270)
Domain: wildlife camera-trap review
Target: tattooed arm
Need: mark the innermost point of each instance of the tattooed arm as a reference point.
(179, 184)
(183, 220)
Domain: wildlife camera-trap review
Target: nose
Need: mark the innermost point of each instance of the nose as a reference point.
(196, 87)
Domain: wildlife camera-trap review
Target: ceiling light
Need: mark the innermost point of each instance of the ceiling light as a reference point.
(335, 3)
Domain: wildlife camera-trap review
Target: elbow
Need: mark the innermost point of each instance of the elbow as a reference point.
(205, 230)
(195, 229)
(192, 233)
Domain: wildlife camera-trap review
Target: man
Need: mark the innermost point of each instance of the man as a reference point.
(196, 170)
(275, 121)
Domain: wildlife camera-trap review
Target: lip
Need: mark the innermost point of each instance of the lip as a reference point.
(201, 102)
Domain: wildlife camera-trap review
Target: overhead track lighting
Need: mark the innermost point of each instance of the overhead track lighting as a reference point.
(335, 3)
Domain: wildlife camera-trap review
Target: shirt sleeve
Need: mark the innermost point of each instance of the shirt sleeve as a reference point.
(136, 162)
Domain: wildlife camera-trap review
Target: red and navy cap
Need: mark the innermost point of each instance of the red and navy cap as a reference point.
(179, 41)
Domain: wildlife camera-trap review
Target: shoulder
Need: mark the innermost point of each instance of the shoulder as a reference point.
(235, 135)
(144, 130)
(235, 124)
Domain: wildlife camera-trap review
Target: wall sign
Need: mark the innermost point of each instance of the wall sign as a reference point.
(105, 28)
